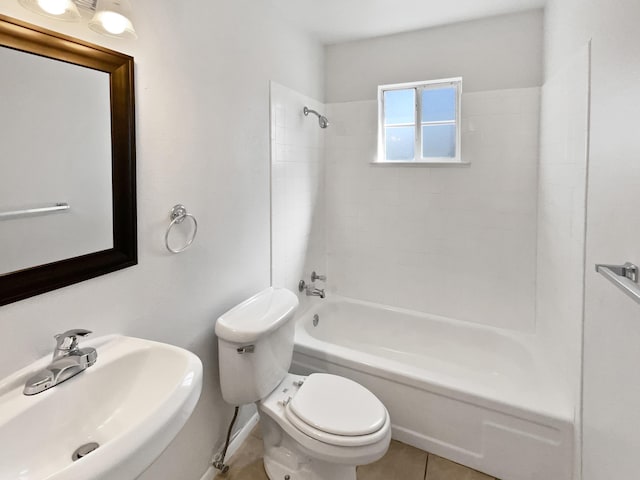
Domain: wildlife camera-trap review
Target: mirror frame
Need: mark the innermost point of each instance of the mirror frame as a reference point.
(25, 37)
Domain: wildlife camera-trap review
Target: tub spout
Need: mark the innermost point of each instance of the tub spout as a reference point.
(310, 290)
(315, 292)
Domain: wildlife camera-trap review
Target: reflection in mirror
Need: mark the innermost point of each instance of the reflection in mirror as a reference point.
(56, 142)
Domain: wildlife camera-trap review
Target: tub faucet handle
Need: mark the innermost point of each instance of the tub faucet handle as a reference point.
(310, 290)
(315, 276)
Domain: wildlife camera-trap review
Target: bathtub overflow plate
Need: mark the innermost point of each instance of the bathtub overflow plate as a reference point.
(84, 450)
(316, 320)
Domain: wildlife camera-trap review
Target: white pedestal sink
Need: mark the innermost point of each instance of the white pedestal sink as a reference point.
(132, 403)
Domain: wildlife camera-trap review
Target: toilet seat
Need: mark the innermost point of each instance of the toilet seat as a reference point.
(337, 411)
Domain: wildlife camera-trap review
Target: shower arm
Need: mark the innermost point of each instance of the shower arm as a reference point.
(322, 120)
(307, 111)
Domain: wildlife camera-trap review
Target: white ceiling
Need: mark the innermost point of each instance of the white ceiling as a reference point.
(335, 21)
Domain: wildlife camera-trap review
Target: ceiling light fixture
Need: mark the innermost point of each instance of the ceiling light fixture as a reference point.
(107, 17)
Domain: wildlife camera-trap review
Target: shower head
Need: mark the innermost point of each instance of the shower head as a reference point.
(322, 120)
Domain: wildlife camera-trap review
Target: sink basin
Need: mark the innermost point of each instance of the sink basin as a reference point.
(132, 403)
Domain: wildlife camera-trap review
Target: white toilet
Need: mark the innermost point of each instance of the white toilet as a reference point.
(318, 427)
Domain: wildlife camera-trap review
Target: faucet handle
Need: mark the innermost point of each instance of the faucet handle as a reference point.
(68, 340)
(315, 276)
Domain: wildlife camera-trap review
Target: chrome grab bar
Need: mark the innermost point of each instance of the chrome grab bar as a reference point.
(625, 277)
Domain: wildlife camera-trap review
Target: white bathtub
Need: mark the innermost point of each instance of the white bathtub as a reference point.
(477, 395)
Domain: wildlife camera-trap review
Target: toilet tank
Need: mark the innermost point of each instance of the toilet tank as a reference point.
(255, 345)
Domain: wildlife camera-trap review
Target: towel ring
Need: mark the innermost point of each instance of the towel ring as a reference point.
(178, 215)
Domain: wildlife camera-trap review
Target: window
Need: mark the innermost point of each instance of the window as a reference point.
(420, 122)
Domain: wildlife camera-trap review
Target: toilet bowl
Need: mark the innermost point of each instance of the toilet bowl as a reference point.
(298, 428)
(316, 427)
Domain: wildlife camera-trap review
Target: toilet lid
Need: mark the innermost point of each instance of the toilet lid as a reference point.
(338, 405)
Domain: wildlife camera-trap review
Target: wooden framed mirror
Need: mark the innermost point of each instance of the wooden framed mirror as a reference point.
(67, 130)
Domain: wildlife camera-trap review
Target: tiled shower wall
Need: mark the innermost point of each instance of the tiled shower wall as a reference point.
(456, 241)
(297, 189)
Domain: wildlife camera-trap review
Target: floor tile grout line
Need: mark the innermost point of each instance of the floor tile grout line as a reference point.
(426, 466)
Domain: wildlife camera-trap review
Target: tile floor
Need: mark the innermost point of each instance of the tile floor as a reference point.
(402, 462)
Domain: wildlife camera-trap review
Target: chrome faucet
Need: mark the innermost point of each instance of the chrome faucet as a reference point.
(315, 292)
(310, 290)
(68, 361)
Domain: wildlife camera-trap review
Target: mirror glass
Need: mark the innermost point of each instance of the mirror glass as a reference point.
(56, 183)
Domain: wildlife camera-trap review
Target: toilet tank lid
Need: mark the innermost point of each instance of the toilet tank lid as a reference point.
(261, 314)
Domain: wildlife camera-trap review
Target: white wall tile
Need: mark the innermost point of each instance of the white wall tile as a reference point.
(459, 241)
(298, 235)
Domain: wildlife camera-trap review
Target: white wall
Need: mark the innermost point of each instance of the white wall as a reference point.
(297, 189)
(611, 328)
(454, 241)
(202, 99)
(491, 54)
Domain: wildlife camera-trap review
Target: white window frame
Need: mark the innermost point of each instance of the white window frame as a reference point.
(419, 88)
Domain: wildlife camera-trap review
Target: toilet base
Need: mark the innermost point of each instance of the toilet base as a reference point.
(283, 456)
(314, 470)
(290, 452)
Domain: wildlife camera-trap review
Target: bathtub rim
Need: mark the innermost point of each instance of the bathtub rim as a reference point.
(558, 414)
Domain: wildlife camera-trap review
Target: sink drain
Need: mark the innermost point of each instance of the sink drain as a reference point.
(84, 450)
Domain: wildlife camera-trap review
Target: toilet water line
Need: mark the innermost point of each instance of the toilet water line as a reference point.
(218, 463)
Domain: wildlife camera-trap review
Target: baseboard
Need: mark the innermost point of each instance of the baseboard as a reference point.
(235, 444)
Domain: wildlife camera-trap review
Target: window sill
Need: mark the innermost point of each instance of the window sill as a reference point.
(421, 164)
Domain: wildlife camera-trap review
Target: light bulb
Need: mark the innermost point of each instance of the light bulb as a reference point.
(114, 23)
(54, 7)
(113, 18)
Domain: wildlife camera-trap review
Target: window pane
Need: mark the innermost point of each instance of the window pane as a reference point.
(438, 104)
(399, 106)
(400, 143)
(438, 141)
